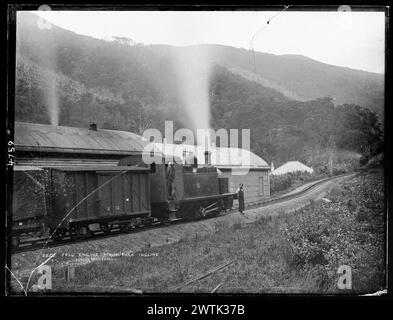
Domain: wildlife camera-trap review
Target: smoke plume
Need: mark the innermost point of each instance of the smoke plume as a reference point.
(193, 70)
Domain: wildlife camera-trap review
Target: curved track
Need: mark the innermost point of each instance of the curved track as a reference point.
(36, 244)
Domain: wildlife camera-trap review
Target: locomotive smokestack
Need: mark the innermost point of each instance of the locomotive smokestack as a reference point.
(208, 158)
(93, 126)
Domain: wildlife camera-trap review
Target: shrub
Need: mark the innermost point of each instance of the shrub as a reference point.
(283, 182)
(343, 232)
(280, 183)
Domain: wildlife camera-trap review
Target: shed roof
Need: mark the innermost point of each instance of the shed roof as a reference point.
(26, 168)
(224, 158)
(101, 168)
(292, 166)
(47, 138)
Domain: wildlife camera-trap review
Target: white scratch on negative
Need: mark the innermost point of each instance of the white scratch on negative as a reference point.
(255, 34)
(32, 272)
(23, 288)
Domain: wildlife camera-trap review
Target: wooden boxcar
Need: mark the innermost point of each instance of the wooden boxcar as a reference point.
(107, 196)
(29, 203)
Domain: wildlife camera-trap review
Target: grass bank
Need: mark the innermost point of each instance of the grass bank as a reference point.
(297, 253)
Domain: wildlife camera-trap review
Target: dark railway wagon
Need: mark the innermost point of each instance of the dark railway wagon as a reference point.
(100, 196)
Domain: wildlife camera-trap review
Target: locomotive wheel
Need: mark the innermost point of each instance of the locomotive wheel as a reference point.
(216, 213)
(202, 212)
(198, 213)
(164, 221)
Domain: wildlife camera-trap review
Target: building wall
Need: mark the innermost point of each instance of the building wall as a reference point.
(256, 184)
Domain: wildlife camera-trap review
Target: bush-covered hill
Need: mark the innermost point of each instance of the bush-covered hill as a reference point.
(131, 87)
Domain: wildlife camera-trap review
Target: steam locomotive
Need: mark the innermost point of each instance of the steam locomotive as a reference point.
(76, 201)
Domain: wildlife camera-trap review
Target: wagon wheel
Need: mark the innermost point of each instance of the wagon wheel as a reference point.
(134, 223)
(56, 235)
(84, 232)
(123, 226)
(105, 228)
(15, 242)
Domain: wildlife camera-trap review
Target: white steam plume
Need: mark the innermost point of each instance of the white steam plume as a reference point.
(47, 56)
(193, 70)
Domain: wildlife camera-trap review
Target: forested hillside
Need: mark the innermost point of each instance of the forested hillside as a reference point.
(296, 108)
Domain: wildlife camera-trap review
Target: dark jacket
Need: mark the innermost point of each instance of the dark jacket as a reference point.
(171, 174)
(240, 196)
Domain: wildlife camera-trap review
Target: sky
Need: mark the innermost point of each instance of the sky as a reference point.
(350, 39)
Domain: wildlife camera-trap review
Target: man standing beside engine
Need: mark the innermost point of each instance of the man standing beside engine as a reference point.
(171, 181)
(240, 197)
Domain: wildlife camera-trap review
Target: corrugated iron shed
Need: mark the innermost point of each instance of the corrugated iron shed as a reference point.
(48, 138)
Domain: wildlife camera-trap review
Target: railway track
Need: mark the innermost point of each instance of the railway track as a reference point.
(41, 243)
(294, 195)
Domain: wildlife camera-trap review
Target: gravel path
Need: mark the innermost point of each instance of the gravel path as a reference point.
(115, 247)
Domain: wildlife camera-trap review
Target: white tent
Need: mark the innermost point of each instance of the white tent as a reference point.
(292, 166)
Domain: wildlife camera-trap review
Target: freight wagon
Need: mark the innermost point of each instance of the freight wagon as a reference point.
(75, 200)
(104, 196)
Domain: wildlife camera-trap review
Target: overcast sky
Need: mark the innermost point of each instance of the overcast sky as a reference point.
(355, 40)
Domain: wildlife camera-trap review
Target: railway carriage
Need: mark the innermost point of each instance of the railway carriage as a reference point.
(76, 200)
(87, 197)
